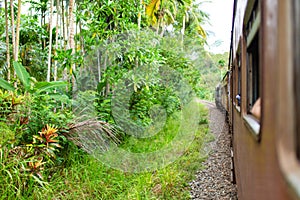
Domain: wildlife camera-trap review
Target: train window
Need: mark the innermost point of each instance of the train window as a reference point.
(239, 76)
(234, 85)
(253, 65)
(238, 98)
(253, 72)
(252, 23)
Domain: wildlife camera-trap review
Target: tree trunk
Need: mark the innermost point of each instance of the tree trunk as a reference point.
(99, 65)
(183, 29)
(15, 57)
(63, 24)
(163, 28)
(50, 41)
(76, 32)
(71, 25)
(71, 40)
(81, 39)
(18, 31)
(67, 26)
(105, 92)
(13, 28)
(157, 28)
(140, 14)
(7, 41)
(56, 38)
(43, 25)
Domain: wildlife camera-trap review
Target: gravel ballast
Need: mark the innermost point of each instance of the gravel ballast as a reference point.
(215, 180)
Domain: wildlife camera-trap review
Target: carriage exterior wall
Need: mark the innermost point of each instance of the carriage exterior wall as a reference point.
(265, 160)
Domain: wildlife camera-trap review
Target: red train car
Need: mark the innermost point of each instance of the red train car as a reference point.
(263, 91)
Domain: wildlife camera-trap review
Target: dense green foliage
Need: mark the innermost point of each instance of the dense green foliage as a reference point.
(212, 71)
(68, 84)
(84, 177)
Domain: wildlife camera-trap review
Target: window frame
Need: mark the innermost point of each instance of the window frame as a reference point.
(253, 71)
(238, 78)
(252, 33)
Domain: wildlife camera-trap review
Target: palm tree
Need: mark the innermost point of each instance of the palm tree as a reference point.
(191, 14)
(42, 7)
(163, 12)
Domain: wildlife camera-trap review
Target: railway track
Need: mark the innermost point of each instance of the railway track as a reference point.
(209, 104)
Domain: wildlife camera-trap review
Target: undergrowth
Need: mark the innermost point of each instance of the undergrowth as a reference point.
(84, 177)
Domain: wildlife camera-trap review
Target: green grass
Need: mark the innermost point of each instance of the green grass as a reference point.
(84, 177)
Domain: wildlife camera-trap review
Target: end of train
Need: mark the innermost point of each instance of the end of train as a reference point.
(221, 94)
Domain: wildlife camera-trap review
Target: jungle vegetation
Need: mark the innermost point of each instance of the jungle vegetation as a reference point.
(61, 65)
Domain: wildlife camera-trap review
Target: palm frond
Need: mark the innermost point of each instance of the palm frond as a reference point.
(151, 10)
(199, 28)
(93, 135)
(170, 18)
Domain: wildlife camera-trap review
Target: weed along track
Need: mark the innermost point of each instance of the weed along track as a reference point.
(214, 181)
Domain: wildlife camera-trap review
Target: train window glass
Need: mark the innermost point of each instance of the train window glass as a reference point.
(238, 98)
(253, 72)
(239, 76)
(251, 29)
(234, 84)
(253, 22)
(253, 66)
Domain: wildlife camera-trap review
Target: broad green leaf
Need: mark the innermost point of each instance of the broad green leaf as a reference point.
(5, 85)
(47, 86)
(22, 74)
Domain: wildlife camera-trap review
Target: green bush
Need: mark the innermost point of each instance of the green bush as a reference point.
(136, 62)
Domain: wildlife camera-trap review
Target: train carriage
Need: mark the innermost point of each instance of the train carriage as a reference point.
(221, 93)
(263, 93)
